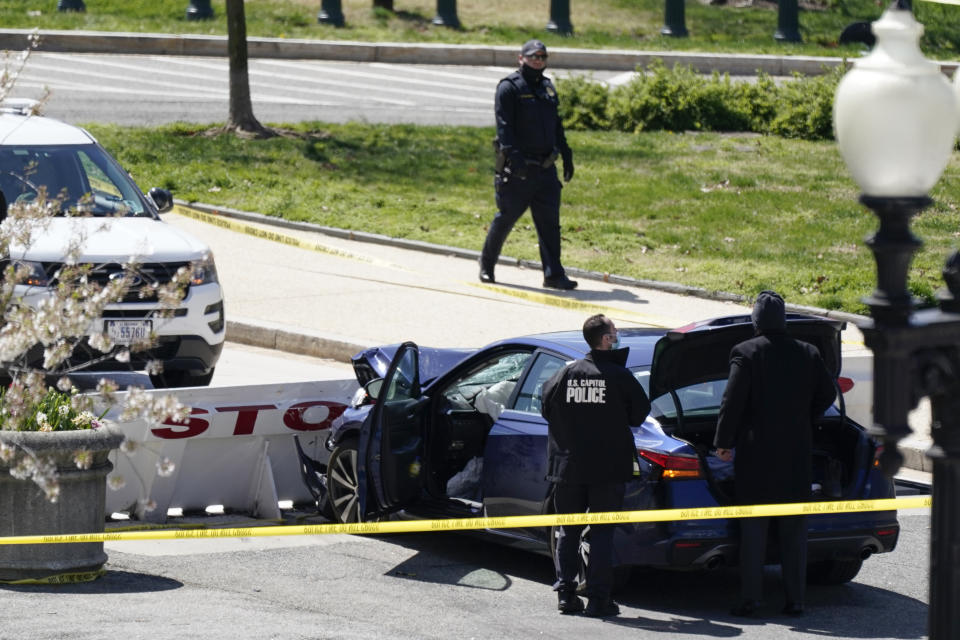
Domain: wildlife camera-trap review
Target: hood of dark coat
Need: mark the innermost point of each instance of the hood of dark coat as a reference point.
(769, 313)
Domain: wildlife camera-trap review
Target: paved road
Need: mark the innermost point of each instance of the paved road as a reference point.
(435, 585)
(148, 90)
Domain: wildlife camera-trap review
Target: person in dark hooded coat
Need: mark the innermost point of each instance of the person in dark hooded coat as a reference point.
(777, 389)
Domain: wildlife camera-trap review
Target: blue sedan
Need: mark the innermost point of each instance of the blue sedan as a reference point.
(438, 433)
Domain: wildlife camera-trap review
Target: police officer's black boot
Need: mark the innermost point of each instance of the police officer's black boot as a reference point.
(568, 602)
(486, 273)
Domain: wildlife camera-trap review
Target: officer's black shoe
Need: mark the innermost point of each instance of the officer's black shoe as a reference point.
(568, 602)
(601, 608)
(792, 609)
(559, 282)
(746, 609)
(486, 275)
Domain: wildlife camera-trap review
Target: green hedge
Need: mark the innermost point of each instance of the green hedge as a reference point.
(679, 99)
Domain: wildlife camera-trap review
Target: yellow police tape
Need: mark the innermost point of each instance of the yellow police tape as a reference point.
(506, 522)
(265, 234)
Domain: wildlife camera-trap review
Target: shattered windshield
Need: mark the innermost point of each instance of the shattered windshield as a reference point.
(83, 179)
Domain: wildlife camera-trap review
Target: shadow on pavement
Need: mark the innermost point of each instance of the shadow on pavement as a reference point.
(852, 610)
(678, 625)
(466, 561)
(582, 295)
(111, 582)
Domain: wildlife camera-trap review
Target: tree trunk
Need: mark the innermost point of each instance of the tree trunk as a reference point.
(241, 120)
(383, 4)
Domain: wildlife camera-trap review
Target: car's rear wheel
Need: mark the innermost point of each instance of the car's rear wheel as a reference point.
(833, 570)
(621, 573)
(176, 378)
(343, 482)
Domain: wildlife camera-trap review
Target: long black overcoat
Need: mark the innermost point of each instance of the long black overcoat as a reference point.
(778, 387)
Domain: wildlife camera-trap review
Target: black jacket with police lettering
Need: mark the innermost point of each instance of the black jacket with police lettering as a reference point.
(528, 123)
(590, 405)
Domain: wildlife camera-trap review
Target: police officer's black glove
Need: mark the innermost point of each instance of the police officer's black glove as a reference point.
(567, 166)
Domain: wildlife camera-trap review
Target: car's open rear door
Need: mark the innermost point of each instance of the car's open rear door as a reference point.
(391, 445)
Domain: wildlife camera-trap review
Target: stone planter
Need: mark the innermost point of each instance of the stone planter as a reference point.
(24, 510)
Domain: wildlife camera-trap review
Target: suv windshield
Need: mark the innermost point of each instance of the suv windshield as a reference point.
(83, 178)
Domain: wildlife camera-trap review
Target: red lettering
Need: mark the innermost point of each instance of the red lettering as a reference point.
(293, 417)
(188, 428)
(246, 417)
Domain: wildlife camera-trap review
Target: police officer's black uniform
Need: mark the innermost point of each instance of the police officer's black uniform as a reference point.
(530, 138)
(590, 405)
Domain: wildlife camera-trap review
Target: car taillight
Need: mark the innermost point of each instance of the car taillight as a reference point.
(876, 455)
(674, 467)
(845, 384)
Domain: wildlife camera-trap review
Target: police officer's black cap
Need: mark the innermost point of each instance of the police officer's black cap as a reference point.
(530, 47)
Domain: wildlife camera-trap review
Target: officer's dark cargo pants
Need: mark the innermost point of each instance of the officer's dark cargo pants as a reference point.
(578, 498)
(540, 192)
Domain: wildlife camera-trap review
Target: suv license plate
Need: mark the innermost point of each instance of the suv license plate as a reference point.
(129, 331)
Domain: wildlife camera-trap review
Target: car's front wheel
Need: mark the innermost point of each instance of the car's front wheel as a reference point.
(621, 573)
(343, 482)
(833, 571)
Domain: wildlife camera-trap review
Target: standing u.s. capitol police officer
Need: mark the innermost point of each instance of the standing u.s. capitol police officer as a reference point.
(529, 140)
(590, 405)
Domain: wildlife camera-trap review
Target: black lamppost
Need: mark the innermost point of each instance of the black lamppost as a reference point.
(788, 25)
(199, 10)
(446, 14)
(560, 18)
(674, 19)
(71, 5)
(896, 119)
(331, 12)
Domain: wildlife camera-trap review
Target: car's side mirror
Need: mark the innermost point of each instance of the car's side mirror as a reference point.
(373, 388)
(162, 198)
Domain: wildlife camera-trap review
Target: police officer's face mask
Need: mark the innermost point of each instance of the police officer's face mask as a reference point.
(616, 341)
(530, 74)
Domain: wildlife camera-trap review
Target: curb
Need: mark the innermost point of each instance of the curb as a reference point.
(413, 53)
(268, 335)
(418, 245)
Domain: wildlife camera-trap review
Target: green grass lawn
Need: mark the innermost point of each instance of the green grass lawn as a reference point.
(737, 26)
(735, 213)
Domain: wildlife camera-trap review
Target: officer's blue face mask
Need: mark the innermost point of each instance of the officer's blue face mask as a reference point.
(616, 341)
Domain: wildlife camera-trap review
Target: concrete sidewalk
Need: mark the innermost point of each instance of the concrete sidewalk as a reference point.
(413, 53)
(330, 293)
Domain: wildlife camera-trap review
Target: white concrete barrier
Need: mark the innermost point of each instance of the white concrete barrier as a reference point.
(235, 450)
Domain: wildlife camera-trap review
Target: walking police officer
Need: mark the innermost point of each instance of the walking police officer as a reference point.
(589, 406)
(529, 140)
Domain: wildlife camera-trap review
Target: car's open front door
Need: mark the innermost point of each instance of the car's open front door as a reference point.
(391, 448)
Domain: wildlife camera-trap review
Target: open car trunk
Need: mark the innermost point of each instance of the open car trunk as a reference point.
(842, 455)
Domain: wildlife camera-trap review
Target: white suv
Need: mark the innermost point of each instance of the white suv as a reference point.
(119, 224)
